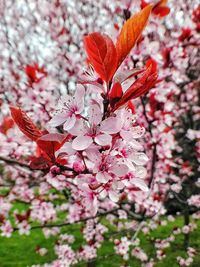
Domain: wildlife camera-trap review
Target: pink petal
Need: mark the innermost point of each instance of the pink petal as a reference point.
(126, 135)
(111, 125)
(119, 169)
(70, 122)
(78, 128)
(137, 131)
(103, 177)
(140, 172)
(81, 142)
(58, 119)
(66, 148)
(136, 145)
(140, 184)
(139, 158)
(103, 194)
(80, 92)
(94, 114)
(79, 97)
(93, 153)
(103, 139)
(113, 196)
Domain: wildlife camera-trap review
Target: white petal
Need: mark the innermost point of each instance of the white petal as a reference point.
(140, 172)
(139, 158)
(140, 184)
(120, 185)
(130, 165)
(94, 114)
(103, 194)
(80, 92)
(66, 148)
(111, 125)
(113, 196)
(81, 142)
(137, 131)
(119, 169)
(63, 100)
(93, 153)
(126, 135)
(78, 129)
(136, 145)
(103, 139)
(70, 122)
(58, 119)
(103, 177)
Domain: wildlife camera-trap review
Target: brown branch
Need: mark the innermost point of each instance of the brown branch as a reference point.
(68, 223)
(154, 145)
(14, 162)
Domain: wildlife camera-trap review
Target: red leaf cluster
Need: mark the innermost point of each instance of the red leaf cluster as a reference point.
(48, 143)
(102, 54)
(159, 9)
(35, 73)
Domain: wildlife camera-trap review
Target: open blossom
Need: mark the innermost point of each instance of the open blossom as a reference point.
(122, 247)
(108, 167)
(42, 251)
(89, 198)
(139, 254)
(96, 130)
(24, 228)
(69, 109)
(43, 211)
(129, 130)
(6, 229)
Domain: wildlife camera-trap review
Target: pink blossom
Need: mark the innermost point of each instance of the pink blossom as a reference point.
(69, 109)
(6, 229)
(96, 130)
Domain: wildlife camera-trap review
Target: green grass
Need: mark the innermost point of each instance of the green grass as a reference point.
(19, 251)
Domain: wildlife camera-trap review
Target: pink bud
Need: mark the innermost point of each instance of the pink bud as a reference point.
(78, 166)
(55, 170)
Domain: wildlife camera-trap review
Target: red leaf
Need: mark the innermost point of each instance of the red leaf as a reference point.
(196, 15)
(23, 217)
(139, 87)
(115, 94)
(6, 125)
(102, 54)
(50, 143)
(160, 9)
(40, 163)
(131, 32)
(185, 34)
(166, 57)
(122, 76)
(153, 64)
(2, 218)
(143, 4)
(25, 124)
(131, 106)
(35, 73)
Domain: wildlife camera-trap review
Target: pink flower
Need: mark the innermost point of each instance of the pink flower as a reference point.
(6, 229)
(24, 228)
(129, 131)
(69, 109)
(107, 167)
(111, 190)
(89, 198)
(96, 130)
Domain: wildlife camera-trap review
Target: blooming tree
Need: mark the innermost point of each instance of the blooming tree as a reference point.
(85, 152)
